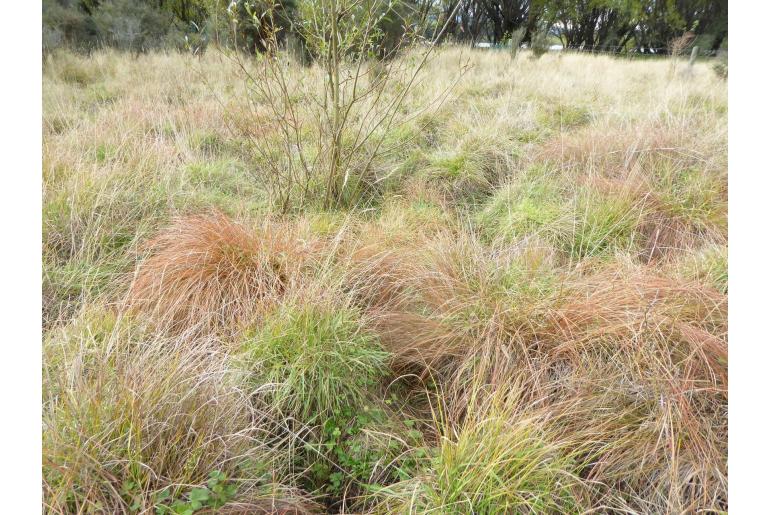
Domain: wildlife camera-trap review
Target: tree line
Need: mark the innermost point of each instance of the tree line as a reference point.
(607, 25)
(620, 26)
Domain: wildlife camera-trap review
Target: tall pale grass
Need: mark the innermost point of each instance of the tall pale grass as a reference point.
(533, 295)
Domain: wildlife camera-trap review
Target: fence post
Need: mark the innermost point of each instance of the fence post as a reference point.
(693, 56)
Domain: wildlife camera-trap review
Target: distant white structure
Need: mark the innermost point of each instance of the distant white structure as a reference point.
(486, 44)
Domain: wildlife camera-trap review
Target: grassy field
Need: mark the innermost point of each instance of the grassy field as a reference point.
(527, 314)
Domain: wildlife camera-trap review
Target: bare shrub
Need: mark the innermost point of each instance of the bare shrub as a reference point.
(331, 127)
(678, 46)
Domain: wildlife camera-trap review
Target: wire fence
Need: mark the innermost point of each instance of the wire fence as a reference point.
(647, 52)
(631, 53)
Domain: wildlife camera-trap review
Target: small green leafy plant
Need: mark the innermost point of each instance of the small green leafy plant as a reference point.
(349, 458)
(217, 492)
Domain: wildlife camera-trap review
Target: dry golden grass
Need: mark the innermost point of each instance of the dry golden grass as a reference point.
(543, 260)
(162, 416)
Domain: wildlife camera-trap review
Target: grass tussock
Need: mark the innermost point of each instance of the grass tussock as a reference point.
(320, 360)
(494, 460)
(526, 313)
(208, 273)
(152, 427)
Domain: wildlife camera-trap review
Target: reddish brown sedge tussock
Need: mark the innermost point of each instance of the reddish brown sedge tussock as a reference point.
(210, 273)
(378, 276)
(391, 283)
(663, 234)
(647, 313)
(591, 147)
(417, 340)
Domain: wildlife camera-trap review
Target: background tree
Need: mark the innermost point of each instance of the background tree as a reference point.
(326, 154)
(643, 26)
(594, 24)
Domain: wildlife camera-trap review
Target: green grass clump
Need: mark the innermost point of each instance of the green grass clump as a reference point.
(695, 196)
(223, 184)
(224, 175)
(563, 116)
(708, 265)
(603, 224)
(74, 70)
(406, 139)
(208, 143)
(318, 358)
(526, 279)
(410, 216)
(103, 152)
(530, 135)
(326, 223)
(424, 212)
(100, 95)
(589, 223)
(467, 173)
(521, 209)
(71, 284)
(456, 165)
(494, 463)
